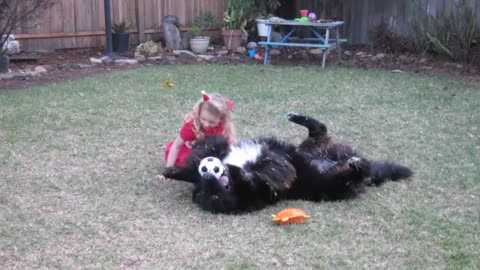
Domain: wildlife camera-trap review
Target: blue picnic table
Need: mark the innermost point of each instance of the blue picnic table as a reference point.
(320, 40)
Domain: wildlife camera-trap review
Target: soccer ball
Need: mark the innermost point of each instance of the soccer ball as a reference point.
(211, 165)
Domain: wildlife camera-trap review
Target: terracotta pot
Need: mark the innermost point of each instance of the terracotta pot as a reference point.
(232, 38)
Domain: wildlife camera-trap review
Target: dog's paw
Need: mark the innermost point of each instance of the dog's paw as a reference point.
(359, 164)
(291, 115)
(170, 172)
(353, 160)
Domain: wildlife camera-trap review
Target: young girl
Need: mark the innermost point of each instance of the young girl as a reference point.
(211, 115)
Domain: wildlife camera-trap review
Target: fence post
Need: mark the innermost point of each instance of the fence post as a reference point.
(140, 14)
(108, 27)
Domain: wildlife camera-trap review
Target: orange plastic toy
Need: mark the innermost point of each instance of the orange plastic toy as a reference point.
(290, 216)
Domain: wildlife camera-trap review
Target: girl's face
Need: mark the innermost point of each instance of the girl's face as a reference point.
(209, 120)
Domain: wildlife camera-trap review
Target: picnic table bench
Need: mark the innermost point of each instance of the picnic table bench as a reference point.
(322, 41)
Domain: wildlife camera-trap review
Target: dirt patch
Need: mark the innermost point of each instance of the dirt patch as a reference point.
(66, 65)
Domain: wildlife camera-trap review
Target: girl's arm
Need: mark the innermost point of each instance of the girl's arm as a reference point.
(173, 154)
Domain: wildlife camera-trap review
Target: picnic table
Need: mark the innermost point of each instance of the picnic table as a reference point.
(320, 40)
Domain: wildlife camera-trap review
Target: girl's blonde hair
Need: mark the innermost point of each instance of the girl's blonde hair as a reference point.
(217, 105)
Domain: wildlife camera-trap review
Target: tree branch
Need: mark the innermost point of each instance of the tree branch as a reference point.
(19, 11)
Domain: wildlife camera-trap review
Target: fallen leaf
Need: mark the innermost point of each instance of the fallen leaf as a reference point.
(168, 84)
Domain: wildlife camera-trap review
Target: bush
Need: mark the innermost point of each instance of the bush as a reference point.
(120, 27)
(447, 33)
(207, 20)
(194, 31)
(13, 13)
(388, 41)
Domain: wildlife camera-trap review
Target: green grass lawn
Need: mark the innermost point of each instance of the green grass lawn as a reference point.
(78, 163)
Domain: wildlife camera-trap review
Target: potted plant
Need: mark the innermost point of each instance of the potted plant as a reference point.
(206, 21)
(4, 63)
(198, 43)
(262, 27)
(264, 9)
(235, 19)
(120, 36)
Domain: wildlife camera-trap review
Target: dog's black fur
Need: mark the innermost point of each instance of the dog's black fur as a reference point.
(317, 170)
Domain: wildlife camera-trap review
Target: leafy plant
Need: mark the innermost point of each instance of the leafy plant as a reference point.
(438, 46)
(466, 27)
(385, 39)
(194, 31)
(120, 27)
(447, 33)
(148, 48)
(265, 8)
(241, 14)
(207, 20)
(236, 14)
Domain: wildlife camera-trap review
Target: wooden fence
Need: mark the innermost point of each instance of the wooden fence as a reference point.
(361, 16)
(398, 15)
(81, 23)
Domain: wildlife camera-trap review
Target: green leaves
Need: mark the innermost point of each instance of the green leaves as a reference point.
(438, 46)
(120, 27)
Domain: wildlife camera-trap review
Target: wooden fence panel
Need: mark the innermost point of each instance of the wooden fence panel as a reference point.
(68, 15)
(77, 24)
(89, 20)
(50, 21)
(152, 10)
(362, 16)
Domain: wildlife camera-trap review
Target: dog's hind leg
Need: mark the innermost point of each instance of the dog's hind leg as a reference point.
(315, 127)
(382, 171)
(379, 171)
(360, 165)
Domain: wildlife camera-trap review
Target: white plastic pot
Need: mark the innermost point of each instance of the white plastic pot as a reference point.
(262, 28)
(199, 44)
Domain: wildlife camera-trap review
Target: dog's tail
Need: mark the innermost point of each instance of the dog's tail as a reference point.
(381, 171)
(315, 127)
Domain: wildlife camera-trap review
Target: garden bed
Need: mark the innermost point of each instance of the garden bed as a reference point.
(69, 64)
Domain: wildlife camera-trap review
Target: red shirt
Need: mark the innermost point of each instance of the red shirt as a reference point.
(188, 135)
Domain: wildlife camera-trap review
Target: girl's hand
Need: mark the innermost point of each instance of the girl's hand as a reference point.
(160, 177)
(165, 173)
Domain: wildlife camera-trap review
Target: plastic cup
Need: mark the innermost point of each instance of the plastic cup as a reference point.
(252, 53)
(303, 12)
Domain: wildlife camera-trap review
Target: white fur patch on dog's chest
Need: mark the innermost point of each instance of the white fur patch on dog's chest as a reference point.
(246, 151)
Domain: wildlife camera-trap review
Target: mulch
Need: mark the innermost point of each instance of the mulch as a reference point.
(62, 65)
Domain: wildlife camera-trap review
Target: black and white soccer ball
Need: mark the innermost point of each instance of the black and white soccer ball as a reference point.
(211, 165)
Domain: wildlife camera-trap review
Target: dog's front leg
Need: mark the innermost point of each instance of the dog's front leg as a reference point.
(186, 174)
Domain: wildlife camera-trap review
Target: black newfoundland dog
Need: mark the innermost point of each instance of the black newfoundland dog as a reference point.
(257, 172)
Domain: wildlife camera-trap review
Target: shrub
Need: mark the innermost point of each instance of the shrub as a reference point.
(194, 31)
(120, 27)
(388, 41)
(13, 13)
(207, 20)
(447, 33)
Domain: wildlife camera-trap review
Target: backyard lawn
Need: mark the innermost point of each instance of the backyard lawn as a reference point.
(78, 162)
